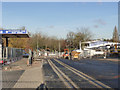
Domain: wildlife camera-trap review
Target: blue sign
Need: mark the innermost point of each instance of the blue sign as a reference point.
(13, 32)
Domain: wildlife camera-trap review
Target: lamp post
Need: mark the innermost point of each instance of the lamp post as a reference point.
(59, 48)
(37, 45)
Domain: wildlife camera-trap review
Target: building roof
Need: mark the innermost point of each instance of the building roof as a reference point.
(14, 33)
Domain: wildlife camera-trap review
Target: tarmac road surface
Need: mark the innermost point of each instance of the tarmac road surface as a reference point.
(88, 73)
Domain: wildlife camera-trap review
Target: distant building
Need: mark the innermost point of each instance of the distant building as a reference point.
(97, 44)
(115, 35)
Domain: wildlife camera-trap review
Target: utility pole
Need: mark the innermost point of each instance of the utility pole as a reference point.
(80, 45)
(37, 45)
(59, 48)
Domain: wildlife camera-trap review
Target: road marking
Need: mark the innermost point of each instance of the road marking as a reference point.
(86, 77)
(56, 69)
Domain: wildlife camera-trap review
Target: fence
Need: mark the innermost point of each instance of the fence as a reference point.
(11, 54)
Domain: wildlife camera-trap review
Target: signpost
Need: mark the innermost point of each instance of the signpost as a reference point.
(0, 47)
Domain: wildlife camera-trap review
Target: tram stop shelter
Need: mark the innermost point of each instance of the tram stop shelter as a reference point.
(17, 33)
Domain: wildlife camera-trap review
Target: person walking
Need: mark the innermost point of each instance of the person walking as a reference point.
(29, 58)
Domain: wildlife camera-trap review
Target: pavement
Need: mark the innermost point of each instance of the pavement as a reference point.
(19, 75)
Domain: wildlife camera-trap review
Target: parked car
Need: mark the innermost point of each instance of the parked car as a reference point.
(26, 55)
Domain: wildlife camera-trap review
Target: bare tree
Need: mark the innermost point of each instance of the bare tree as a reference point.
(82, 34)
(70, 40)
(23, 27)
(1, 28)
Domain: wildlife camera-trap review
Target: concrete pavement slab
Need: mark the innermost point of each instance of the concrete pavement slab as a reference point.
(32, 77)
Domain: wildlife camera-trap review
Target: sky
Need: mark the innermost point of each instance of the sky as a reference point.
(58, 18)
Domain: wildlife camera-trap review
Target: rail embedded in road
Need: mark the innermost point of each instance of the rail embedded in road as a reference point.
(83, 75)
(66, 80)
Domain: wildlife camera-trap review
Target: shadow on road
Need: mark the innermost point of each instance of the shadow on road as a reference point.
(42, 87)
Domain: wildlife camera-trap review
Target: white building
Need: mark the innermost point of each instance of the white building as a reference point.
(96, 47)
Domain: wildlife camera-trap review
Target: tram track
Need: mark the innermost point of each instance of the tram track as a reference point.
(66, 80)
(91, 80)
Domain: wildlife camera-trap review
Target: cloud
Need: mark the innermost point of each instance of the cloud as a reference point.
(96, 26)
(51, 26)
(100, 21)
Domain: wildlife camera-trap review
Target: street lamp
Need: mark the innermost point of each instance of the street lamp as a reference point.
(59, 48)
(37, 45)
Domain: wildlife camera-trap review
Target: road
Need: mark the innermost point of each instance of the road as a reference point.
(62, 73)
(87, 73)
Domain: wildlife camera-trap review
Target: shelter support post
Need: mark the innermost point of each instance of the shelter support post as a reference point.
(6, 48)
(0, 47)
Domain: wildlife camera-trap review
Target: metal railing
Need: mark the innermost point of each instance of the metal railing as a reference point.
(11, 54)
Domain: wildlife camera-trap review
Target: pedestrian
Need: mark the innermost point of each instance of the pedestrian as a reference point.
(112, 46)
(39, 54)
(70, 55)
(29, 58)
(32, 57)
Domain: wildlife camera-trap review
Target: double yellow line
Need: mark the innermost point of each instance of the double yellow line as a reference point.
(93, 81)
